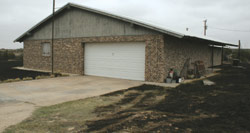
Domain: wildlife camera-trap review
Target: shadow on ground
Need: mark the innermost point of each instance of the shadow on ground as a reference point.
(224, 107)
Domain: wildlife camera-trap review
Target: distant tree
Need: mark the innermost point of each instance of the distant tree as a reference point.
(245, 55)
(19, 50)
(5, 55)
(227, 53)
(1, 55)
(20, 57)
(11, 55)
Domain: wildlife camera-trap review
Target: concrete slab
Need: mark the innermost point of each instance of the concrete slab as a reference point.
(19, 99)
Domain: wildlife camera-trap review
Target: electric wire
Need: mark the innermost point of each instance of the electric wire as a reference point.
(228, 29)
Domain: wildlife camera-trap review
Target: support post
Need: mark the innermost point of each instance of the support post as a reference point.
(212, 57)
(222, 55)
(52, 40)
(239, 50)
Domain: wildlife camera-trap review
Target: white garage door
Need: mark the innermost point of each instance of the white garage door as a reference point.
(116, 60)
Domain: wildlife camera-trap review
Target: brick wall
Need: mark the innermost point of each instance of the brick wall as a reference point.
(179, 50)
(68, 54)
(162, 53)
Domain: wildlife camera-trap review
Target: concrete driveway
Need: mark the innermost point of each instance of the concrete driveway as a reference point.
(18, 100)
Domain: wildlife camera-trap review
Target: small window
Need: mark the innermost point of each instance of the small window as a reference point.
(46, 49)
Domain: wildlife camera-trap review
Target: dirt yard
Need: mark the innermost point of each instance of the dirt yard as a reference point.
(192, 107)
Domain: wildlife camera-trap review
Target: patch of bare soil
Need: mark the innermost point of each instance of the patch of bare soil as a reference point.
(193, 107)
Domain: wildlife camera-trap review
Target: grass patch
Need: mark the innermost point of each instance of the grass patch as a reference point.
(192, 107)
(66, 117)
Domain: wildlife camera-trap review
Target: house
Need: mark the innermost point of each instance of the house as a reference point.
(93, 42)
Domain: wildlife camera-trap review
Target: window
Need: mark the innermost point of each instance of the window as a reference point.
(46, 49)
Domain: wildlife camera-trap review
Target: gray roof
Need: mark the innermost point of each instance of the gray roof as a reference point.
(126, 19)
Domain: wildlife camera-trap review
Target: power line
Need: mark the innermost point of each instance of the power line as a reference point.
(228, 29)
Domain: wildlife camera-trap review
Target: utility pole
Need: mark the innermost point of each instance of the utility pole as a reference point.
(52, 40)
(205, 27)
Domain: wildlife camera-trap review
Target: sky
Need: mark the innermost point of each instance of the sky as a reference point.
(227, 20)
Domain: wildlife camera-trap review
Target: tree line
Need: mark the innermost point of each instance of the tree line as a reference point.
(234, 54)
(6, 54)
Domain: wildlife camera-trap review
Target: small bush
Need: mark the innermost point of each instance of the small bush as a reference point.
(57, 74)
(64, 75)
(27, 78)
(17, 79)
(38, 77)
(42, 77)
(8, 80)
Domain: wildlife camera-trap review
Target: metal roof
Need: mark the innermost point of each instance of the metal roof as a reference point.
(126, 19)
(209, 41)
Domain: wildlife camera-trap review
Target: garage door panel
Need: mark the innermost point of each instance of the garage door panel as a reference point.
(119, 64)
(118, 60)
(114, 69)
(115, 74)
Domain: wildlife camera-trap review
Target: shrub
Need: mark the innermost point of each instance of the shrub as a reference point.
(8, 81)
(17, 79)
(64, 75)
(11, 80)
(42, 77)
(27, 78)
(38, 77)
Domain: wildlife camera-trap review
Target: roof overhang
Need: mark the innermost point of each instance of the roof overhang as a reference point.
(29, 32)
(209, 41)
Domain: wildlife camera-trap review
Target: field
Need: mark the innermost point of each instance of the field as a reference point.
(6, 71)
(192, 107)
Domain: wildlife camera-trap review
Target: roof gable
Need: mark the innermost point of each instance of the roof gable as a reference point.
(125, 19)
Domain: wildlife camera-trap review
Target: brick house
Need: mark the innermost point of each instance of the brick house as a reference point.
(92, 42)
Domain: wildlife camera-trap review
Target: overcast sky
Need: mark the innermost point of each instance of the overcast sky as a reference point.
(17, 16)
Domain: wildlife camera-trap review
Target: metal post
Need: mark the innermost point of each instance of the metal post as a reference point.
(52, 40)
(222, 55)
(212, 57)
(239, 50)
